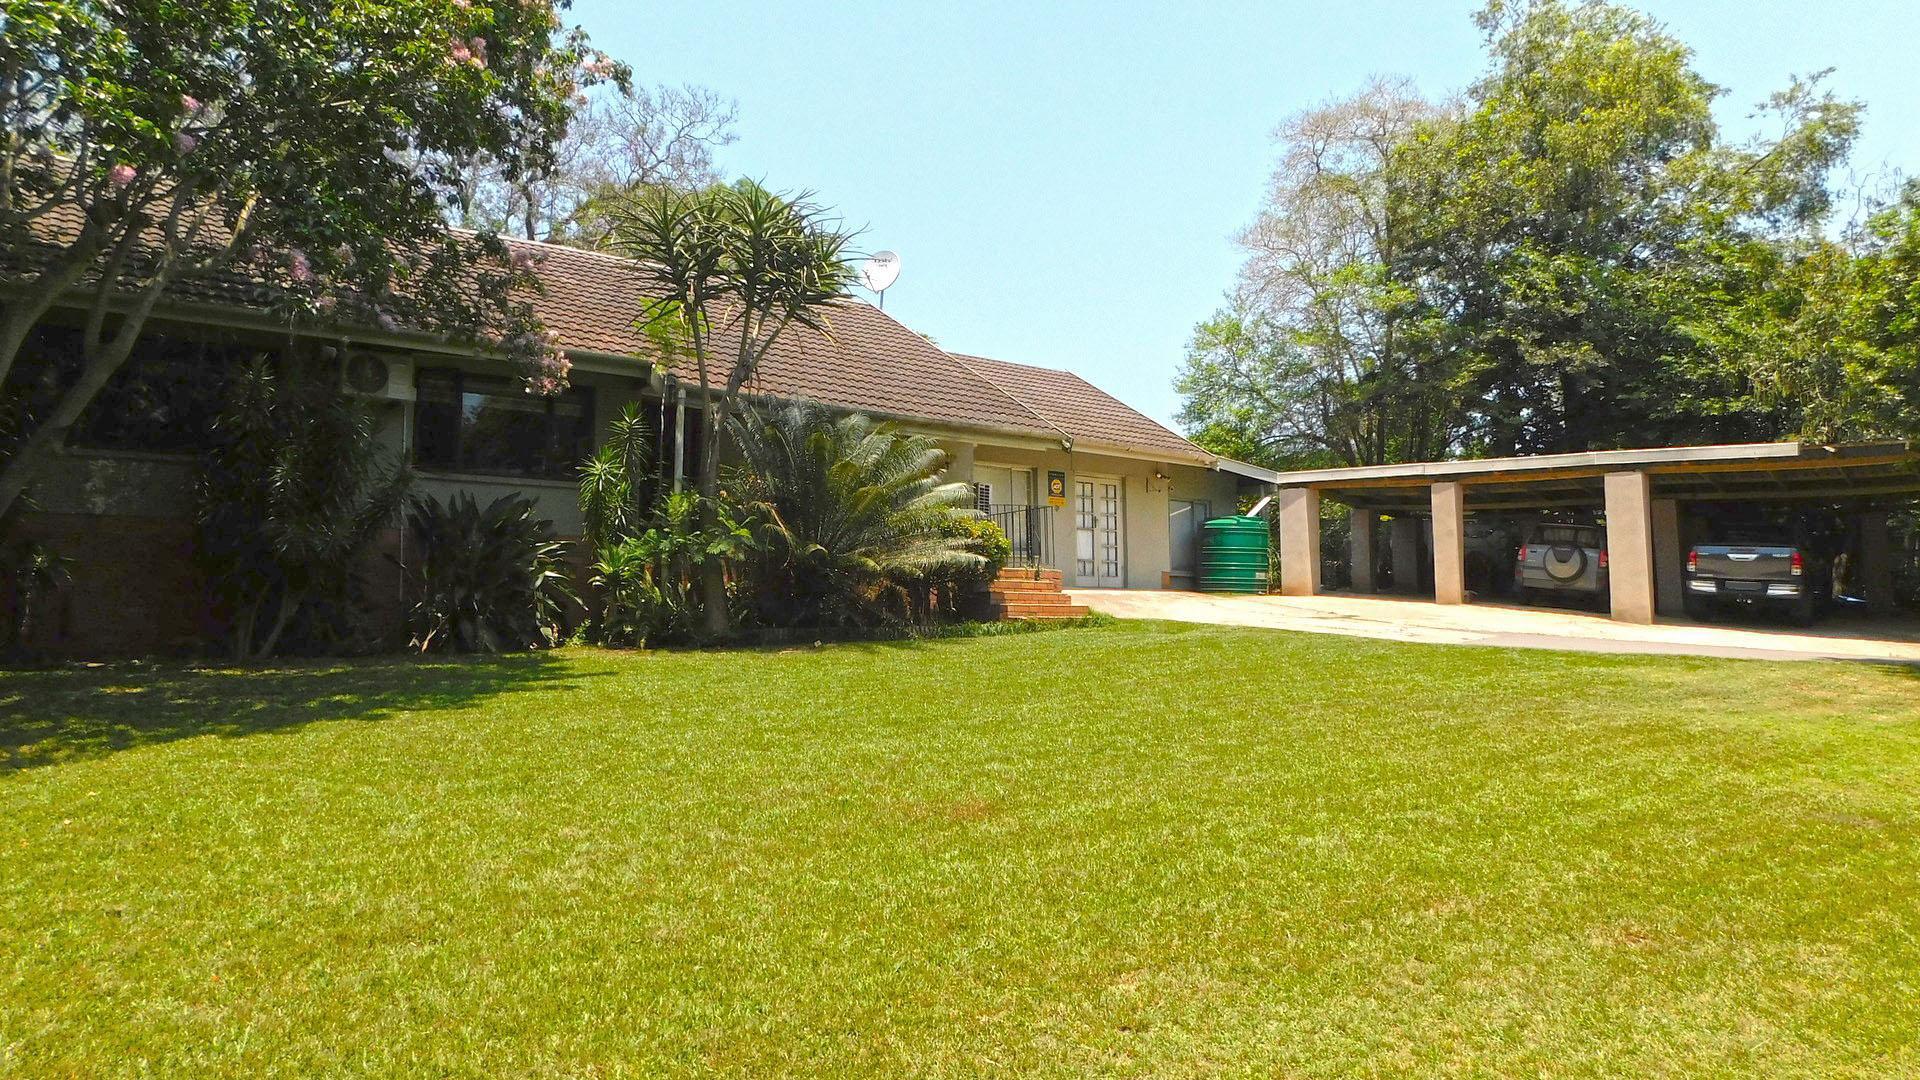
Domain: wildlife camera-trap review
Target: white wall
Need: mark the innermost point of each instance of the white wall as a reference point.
(1145, 488)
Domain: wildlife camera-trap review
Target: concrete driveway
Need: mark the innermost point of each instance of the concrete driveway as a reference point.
(1846, 636)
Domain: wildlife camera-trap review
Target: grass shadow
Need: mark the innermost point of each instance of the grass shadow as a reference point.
(76, 713)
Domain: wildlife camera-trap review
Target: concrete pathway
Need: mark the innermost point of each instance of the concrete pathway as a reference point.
(1846, 636)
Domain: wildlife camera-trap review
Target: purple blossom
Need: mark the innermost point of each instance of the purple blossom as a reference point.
(121, 175)
(189, 104)
(184, 143)
(298, 267)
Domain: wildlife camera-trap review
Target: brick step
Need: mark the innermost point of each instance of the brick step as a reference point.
(1031, 598)
(1024, 588)
(1013, 573)
(1042, 611)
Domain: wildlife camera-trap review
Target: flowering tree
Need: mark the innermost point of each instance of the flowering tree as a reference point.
(307, 145)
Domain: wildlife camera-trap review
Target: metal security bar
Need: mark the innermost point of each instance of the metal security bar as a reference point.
(1029, 530)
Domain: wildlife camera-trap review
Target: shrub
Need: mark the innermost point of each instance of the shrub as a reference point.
(484, 579)
(287, 506)
(633, 610)
(646, 584)
(845, 514)
(612, 482)
(32, 571)
(949, 592)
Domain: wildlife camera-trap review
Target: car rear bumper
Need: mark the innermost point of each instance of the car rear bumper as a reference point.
(1528, 577)
(1745, 591)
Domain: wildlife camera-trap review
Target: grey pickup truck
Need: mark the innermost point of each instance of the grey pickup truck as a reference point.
(1758, 568)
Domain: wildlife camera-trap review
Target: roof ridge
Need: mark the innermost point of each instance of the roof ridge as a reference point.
(1018, 364)
(961, 359)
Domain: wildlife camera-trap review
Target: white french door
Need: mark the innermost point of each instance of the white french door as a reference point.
(1099, 547)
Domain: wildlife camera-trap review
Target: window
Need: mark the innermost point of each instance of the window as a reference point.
(162, 400)
(1577, 535)
(484, 424)
(983, 498)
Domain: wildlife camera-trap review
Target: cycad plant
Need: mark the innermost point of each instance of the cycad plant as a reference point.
(845, 511)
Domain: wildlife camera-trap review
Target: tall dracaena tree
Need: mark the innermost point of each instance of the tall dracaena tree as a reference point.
(730, 270)
(312, 144)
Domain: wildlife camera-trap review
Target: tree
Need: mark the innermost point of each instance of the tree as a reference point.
(287, 506)
(729, 270)
(620, 139)
(307, 143)
(1311, 362)
(1572, 257)
(1575, 233)
(1835, 345)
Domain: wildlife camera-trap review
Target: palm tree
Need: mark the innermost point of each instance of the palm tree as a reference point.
(728, 270)
(845, 511)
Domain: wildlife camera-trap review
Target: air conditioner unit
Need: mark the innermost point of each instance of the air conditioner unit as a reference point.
(379, 376)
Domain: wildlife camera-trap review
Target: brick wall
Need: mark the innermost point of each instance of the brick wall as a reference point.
(134, 590)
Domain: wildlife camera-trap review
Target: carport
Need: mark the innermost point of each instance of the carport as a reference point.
(1641, 492)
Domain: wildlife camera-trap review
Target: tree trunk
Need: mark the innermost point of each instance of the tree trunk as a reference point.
(713, 573)
(49, 439)
(24, 313)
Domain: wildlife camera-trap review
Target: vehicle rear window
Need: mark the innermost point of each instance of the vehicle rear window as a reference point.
(1756, 536)
(1584, 536)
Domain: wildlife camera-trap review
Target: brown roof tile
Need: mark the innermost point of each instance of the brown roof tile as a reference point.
(865, 360)
(1084, 411)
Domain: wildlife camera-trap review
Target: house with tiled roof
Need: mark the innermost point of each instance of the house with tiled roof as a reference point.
(1080, 481)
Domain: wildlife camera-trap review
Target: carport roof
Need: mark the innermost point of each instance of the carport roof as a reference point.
(1854, 473)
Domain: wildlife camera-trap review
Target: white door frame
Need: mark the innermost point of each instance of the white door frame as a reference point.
(1096, 579)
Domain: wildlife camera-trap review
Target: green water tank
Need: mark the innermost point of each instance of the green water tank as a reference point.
(1233, 555)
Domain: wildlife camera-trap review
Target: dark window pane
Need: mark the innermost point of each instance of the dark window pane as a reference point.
(696, 439)
(436, 421)
(490, 425)
(164, 399)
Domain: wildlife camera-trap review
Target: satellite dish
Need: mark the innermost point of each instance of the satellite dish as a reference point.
(879, 272)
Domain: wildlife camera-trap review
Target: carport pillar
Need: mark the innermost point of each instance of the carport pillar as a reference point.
(1449, 543)
(1875, 578)
(1362, 526)
(1669, 558)
(1299, 541)
(1630, 545)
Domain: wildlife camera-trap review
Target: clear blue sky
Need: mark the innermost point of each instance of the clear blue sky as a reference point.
(1062, 180)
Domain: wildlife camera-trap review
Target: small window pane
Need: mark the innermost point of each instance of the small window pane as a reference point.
(436, 421)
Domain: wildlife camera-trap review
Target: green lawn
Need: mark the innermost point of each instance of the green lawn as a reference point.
(1135, 849)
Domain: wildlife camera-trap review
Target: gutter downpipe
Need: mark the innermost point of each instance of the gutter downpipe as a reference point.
(679, 436)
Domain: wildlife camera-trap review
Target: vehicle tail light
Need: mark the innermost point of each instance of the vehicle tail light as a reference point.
(1523, 553)
(1799, 565)
(1603, 558)
(1693, 562)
